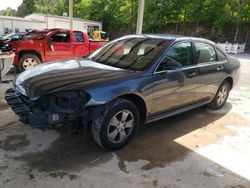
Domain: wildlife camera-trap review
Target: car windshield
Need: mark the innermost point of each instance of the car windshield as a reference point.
(13, 36)
(131, 53)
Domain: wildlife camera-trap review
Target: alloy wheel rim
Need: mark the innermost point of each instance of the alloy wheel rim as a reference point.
(222, 95)
(29, 63)
(120, 126)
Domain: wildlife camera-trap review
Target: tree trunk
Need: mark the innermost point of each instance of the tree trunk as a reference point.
(246, 38)
(238, 21)
(236, 33)
(131, 16)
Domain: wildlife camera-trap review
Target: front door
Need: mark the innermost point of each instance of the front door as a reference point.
(59, 46)
(175, 79)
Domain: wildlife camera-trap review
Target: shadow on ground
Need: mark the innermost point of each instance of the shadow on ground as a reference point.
(154, 143)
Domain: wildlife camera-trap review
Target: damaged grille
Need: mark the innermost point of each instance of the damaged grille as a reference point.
(48, 110)
(25, 109)
(18, 106)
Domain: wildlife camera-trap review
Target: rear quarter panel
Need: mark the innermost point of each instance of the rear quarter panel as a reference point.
(232, 68)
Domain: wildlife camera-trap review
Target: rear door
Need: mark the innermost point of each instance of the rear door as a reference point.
(174, 81)
(59, 46)
(210, 62)
(80, 44)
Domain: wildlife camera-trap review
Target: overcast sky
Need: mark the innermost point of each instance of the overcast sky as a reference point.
(10, 3)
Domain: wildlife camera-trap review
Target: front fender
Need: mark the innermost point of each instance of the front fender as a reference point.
(105, 94)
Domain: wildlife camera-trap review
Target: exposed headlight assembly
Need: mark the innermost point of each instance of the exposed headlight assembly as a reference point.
(68, 102)
(18, 84)
(20, 89)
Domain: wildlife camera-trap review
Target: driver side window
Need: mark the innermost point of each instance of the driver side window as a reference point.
(61, 36)
(179, 56)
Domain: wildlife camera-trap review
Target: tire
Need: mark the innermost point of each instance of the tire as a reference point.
(28, 61)
(221, 96)
(117, 118)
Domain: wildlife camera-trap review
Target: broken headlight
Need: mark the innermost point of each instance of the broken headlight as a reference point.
(65, 102)
(69, 102)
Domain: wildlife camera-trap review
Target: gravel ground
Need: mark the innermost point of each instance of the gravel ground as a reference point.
(200, 148)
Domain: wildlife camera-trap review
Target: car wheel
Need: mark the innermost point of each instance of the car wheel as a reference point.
(28, 61)
(221, 96)
(116, 124)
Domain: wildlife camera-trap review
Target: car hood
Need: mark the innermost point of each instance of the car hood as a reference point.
(67, 75)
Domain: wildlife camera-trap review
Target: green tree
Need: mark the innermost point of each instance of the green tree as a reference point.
(45, 6)
(211, 18)
(8, 12)
(27, 7)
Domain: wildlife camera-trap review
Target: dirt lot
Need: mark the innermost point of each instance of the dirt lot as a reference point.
(200, 148)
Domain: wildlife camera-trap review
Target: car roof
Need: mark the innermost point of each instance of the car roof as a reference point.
(171, 37)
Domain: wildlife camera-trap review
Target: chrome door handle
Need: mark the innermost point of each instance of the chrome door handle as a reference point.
(220, 68)
(192, 74)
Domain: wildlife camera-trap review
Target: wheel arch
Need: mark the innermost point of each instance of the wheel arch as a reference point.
(139, 102)
(34, 52)
(230, 81)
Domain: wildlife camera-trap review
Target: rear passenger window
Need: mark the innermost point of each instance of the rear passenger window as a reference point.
(205, 52)
(220, 55)
(78, 36)
(181, 53)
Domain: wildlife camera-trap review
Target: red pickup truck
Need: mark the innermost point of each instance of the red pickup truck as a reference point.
(52, 44)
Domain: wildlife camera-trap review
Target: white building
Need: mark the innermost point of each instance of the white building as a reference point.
(39, 21)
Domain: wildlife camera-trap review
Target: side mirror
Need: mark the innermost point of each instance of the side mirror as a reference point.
(50, 40)
(171, 64)
(163, 66)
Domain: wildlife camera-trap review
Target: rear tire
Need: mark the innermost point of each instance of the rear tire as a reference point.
(221, 96)
(115, 125)
(28, 61)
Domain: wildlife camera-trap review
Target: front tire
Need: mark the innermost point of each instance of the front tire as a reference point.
(28, 61)
(115, 125)
(221, 96)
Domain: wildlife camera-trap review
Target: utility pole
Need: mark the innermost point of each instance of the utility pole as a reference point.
(71, 14)
(140, 17)
(131, 16)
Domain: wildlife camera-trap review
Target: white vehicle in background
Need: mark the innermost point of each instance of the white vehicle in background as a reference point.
(233, 48)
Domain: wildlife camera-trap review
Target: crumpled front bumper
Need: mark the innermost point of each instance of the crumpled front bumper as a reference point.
(26, 110)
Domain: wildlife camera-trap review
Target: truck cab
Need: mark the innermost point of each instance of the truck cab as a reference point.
(52, 44)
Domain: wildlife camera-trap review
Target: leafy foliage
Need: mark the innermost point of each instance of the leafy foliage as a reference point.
(202, 17)
(8, 12)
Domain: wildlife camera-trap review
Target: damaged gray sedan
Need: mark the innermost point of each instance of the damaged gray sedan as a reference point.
(130, 81)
